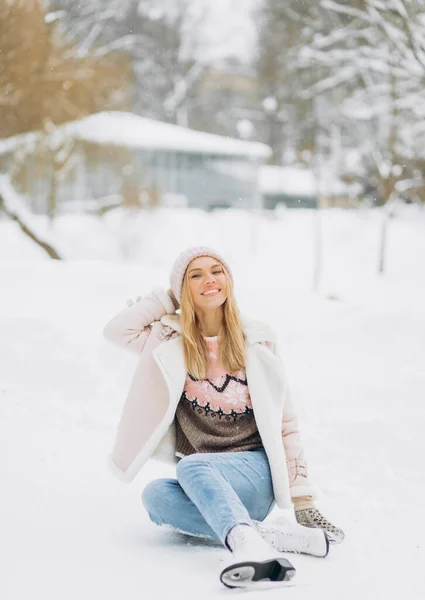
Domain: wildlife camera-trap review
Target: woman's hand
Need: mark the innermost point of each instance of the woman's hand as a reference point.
(170, 293)
(309, 516)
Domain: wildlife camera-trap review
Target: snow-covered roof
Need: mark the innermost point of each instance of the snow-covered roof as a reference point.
(128, 129)
(292, 181)
(132, 131)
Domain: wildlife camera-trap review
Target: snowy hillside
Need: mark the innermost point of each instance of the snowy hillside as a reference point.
(354, 353)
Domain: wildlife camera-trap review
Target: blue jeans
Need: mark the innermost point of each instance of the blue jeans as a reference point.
(213, 492)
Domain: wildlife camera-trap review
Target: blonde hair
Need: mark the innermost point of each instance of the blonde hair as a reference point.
(231, 337)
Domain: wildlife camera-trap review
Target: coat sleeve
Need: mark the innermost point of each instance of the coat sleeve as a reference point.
(131, 327)
(291, 439)
(297, 466)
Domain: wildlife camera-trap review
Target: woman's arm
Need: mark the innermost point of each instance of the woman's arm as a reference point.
(131, 327)
(297, 466)
(302, 493)
(291, 439)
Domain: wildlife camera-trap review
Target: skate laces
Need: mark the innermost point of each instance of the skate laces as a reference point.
(288, 540)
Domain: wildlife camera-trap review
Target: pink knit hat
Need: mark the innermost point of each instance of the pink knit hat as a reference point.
(183, 261)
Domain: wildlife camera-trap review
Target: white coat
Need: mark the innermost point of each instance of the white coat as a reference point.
(147, 430)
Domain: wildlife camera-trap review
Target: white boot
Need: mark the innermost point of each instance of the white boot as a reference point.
(285, 536)
(254, 562)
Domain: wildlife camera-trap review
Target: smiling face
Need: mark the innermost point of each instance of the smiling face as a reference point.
(207, 283)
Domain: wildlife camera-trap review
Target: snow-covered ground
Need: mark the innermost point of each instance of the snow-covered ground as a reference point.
(354, 352)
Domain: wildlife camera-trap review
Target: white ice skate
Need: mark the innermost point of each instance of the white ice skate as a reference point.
(287, 536)
(254, 563)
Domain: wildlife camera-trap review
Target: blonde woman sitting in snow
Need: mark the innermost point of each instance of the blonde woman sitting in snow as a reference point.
(210, 395)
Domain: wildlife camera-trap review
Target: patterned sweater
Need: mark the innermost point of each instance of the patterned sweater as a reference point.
(215, 414)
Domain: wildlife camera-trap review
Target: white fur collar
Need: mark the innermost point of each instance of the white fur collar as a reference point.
(255, 331)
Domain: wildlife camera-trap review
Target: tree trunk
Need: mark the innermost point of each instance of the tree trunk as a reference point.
(383, 243)
(46, 247)
(388, 213)
(53, 188)
(318, 254)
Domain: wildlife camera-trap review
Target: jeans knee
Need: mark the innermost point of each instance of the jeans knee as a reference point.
(152, 494)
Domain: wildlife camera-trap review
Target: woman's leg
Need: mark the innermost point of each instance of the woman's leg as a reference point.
(167, 504)
(213, 493)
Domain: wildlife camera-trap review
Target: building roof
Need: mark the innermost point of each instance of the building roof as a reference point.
(130, 130)
(291, 181)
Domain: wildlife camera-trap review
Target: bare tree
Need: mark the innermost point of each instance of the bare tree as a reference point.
(11, 205)
(354, 69)
(159, 37)
(348, 78)
(43, 78)
(44, 81)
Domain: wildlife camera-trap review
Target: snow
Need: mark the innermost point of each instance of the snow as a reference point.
(354, 353)
(117, 128)
(10, 144)
(130, 130)
(287, 180)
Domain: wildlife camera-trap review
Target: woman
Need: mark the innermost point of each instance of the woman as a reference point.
(209, 394)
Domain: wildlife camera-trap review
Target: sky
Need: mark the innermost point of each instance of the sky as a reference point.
(230, 28)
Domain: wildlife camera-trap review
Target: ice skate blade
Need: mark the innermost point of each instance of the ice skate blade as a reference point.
(259, 575)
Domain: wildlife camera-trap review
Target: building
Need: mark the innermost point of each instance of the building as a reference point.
(293, 187)
(112, 154)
